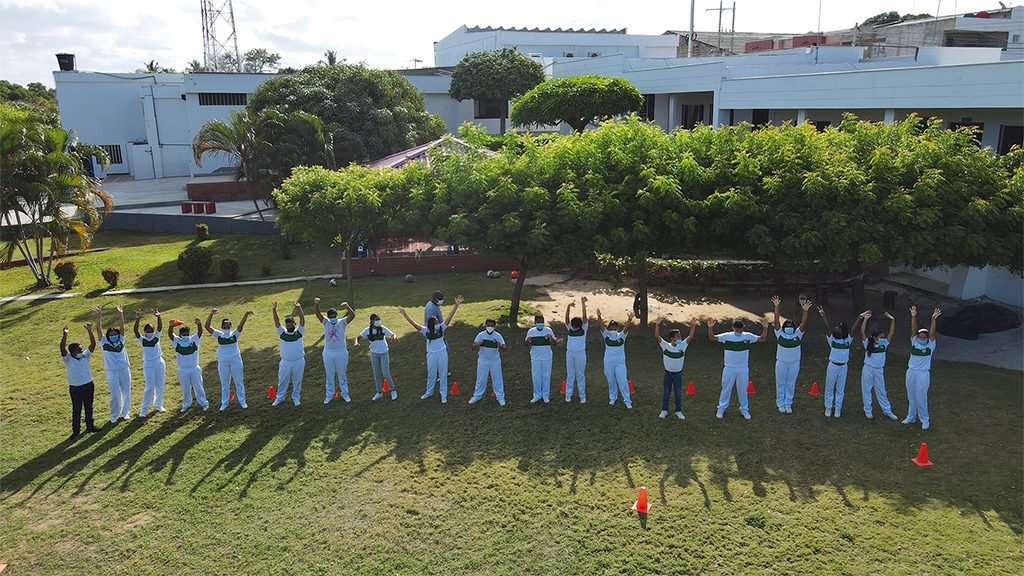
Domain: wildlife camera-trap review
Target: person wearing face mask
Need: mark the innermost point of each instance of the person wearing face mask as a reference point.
(490, 345)
(154, 370)
(839, 342)
(380, 357)
(432, 309)
(576, 352)
(736, 372)
(787, 356)
(922, 345)
(872, 377)
(335, 348)
(673, 354)
(115, 363)
(229, 358)
(437, 350)
(540, 339)
(293, 355)
(615, 358)
(190, 375)
(80, 384)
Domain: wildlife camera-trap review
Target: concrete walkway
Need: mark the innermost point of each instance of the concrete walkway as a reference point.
(217, 285)
(32, 297)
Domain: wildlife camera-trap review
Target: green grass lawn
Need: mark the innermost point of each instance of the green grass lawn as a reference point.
(416, 487)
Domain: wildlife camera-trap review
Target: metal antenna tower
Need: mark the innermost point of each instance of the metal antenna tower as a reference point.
(219, 13)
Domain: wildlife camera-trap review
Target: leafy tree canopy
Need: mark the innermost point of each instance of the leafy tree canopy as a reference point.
(496, 76)
(577, 101)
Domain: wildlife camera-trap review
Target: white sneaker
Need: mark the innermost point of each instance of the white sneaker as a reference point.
(746, 415)
(663, 414)
(223, 407)
(720, 414)
(629, 406)
(892, 416)
(870, 416)
(244, 406)
(205, 408)
(346, 398)
(828, 412)
(535, 400)
(444, 400)
(789, 409)
(908, 420)
(328, 400)
(128, 417)
(160, 409)
(394, 395)
(425, 396)
(276, 402)
(568, 398)
(183, 408)
(501, 402)
(474, 399)
(782, 410)
(583, 400)
(142, 414)
(680, 416)
(296, 402)
(926, 426)
(611, 402)
(377, 396)
(838, 412)
(547, 400)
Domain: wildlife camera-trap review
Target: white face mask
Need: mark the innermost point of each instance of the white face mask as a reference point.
(440, 302)
(77, 355)
(490, 329)
(376, 323)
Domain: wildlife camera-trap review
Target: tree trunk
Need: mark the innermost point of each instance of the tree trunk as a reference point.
(251, 187)
(504, 115)
(640, 307)
(348, 278)
(857, 287)
(19, 241)
(517, 293)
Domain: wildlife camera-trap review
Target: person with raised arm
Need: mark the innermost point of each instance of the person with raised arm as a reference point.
(380, 356)
(576, 351)
(615, 358)
(437, 349)
(115, 364)
(490, 344)
(154, 369)
(919, 369)
(293, 355)
(736, 372)
(190, 375)
(839, 341)
(787, 356)
(872, 376)
(80, 384)
(335, 349)
(540, 339)
(229, 358)
(673, 352)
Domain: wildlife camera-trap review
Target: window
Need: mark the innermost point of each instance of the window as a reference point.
(223, 99)
(1016, 38)
(821, 125)
(647, 112)
(593, 54)
(692, 115)
(977, 134)
(759, 116)
(569, 54)
(1010, 136)
(483, 109)
(113, 153)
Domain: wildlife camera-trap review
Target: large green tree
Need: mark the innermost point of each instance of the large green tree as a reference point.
(495, 76)
(34, 95)
(373, 113)
(577, 101)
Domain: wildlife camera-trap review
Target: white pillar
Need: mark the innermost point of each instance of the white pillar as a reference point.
(716, 112)
(673, 112)
(152, 130)
(801, 116)
(890, 115)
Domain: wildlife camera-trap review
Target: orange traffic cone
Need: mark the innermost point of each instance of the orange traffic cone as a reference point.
(493, 395)
(336, 394)
(642, 506)
(271, 394)
(563, 386)
(750, 388)
(231, 396)
(690, 390)
(631, 391)
(386, 387)
(814, 389)
(455, 389)
(922, 456)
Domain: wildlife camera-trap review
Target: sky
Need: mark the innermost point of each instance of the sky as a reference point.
(120, 35)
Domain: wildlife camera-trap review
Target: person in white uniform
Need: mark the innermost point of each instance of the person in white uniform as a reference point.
(736, 372)
(490, 344)
(335, 349)
(229, 358)
(380, 356)
(293, 355)
(190, 375)
(115, 364)
(80, 384)
(615, 358)
(673, 354)
(839, 343)
(787, 357)
(872, 376)
(540, 339)
(919, 369)
(154, 369)
(437, 350)
(576, 352)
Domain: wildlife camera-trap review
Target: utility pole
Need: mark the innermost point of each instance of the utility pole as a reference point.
(819, 16)
(721, 8)
(689, 39)
(216, 45)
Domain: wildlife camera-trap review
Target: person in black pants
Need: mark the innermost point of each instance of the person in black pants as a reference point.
(80, 383)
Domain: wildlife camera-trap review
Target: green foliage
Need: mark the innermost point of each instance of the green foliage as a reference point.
(194, 262)
(66, 271)
(34, 96)
(266, 269)
(254, 61)
(202, 232)
(111, 276)
(229, 269)
(577, 101)
(369, 113)
(496, 76)
(283, 247)
(892, 17)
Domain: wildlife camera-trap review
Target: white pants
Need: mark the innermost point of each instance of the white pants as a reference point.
(229, 369)
(336, 364)
(575, 373)
(734, 377)
(873, 378)
(191, 380)
(785, 382)
(437, 372)
(541, 376)
(120, 384)
(835, 385)
(918, 382)
(154, 374)
(492, 368)
(290, 371)
(618, 385)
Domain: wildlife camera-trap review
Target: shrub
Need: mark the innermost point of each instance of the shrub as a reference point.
(202, 232)
(111, 275)
(283, 248)
(229, 268)
(266, 269)
(194, 262)
(66, 272)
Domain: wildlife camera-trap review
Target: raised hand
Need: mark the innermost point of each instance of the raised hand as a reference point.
(866, 314)
(298, 304)
(806, 305)
(274, 306)
(776, 300)
(214, 310)
(66, 330)
(97, 310)
(138, 314)
(889, 316)
(401, 310)
(249, 312)
(711, 323)
(913, 311)
(88, 326)
(764, 322)
(316, 300)
(572, 304)
(936, 313)
(821, 311)
(693, 320)
(119, 308)
(583, 299)
(197, 320)
(629, 315)
(156, 312)
(459, 299)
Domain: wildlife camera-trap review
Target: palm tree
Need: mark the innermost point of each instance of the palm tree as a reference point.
(243, 138)
(195, 66)
(330, 58)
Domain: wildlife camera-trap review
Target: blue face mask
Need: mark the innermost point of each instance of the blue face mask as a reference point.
(788, 330)
(185, 339)
(115, 338)
(539, 325)
(333, 320)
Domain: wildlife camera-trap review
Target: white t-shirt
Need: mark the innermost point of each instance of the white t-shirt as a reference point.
(576, 341)
(227, 344)
(334, 335)
(840, 349)
(378, 340)
(435, 341)
(921, 354)
(114, 357)
(540, 346)
(789, 345)
(877, 357)
(187, 353)
(79, 373)
(737, 348)
(291, 343)
(150, 348)
(673, 355)
(489, 344)
(614, 347)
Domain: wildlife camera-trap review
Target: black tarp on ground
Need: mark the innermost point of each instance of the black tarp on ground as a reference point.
(970, 321)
